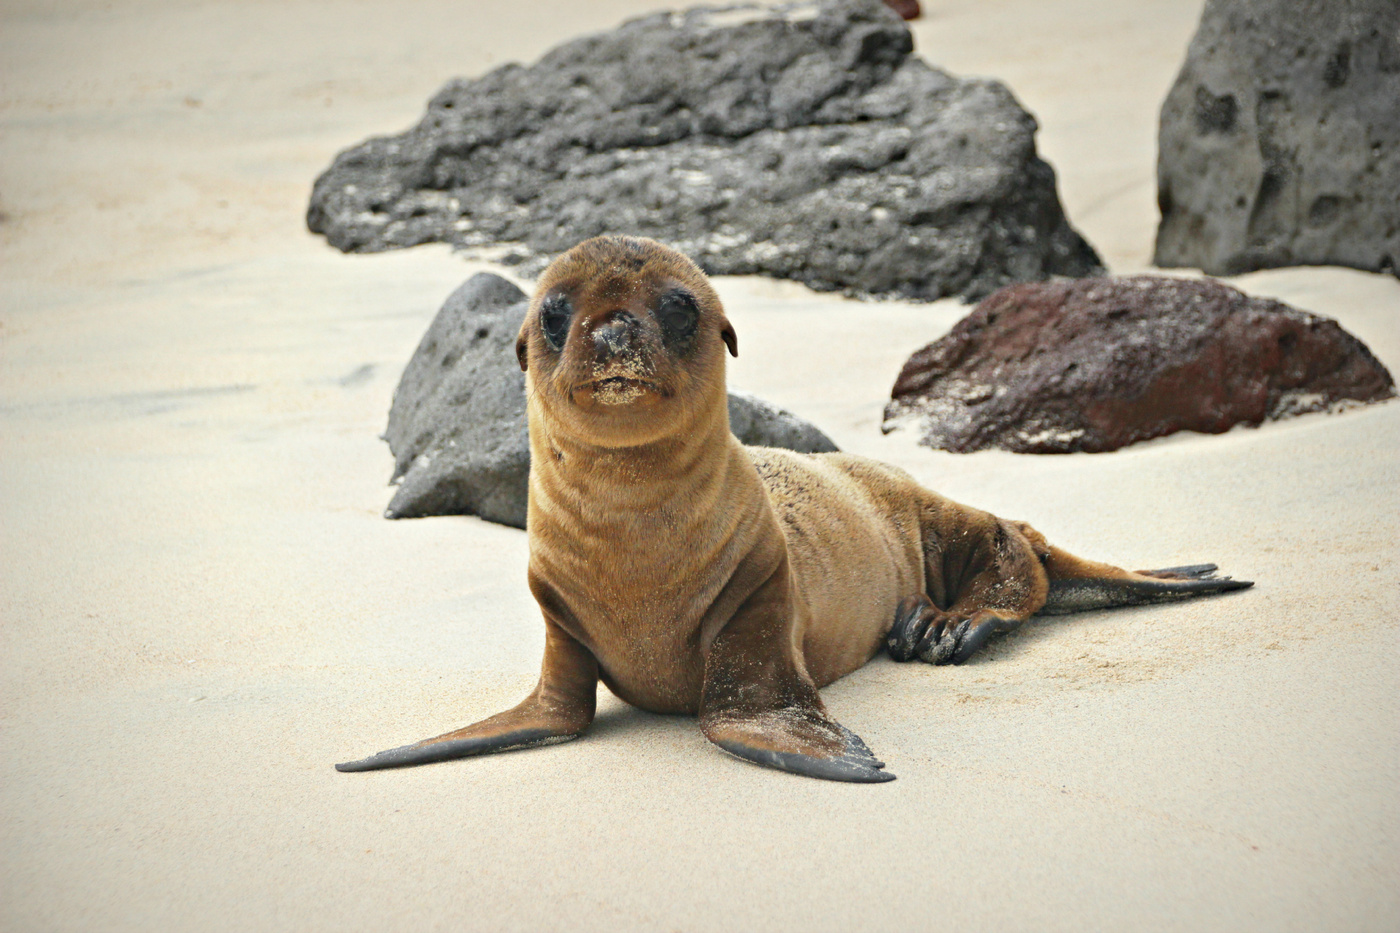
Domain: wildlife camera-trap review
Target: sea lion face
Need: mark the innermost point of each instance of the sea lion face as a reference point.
(624, 342)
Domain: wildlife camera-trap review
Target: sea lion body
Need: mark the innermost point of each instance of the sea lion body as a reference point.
(693, 575)
(855, 547)
(644, 614)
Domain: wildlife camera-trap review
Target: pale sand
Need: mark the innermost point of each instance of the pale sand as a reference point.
(203, 609)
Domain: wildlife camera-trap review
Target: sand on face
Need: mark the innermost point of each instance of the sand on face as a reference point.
(201, 608)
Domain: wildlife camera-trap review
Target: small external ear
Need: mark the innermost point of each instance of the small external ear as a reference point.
(522, 348)
(731, 340)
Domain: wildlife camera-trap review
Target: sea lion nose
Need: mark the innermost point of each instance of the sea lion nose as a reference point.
(614, 334)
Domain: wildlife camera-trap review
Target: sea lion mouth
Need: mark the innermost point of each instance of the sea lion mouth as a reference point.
(622, 381)
(620, 390)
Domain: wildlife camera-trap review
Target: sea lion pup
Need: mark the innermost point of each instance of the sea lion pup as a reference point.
(695, 575)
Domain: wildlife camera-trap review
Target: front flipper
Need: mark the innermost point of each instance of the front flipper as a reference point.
(1127, 588)
(479, 739)
(559, 709)
(758, 701)
(796, 740)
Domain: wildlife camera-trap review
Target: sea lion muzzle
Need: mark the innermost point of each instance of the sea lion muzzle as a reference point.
(614, 336)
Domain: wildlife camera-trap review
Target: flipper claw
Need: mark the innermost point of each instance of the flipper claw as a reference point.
(911, 621)
(941, 640)
(972, 641)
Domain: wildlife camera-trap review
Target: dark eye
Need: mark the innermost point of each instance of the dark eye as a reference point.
(554, 321)
(678, 314)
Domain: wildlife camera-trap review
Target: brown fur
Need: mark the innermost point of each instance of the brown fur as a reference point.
(695, 575)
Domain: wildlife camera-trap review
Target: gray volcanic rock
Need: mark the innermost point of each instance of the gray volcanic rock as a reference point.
(804, 142)
(1096, 364)
(762, 424)
(457, 426)
(1280, 140)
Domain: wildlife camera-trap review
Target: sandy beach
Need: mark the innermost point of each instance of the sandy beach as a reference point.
(202, 607)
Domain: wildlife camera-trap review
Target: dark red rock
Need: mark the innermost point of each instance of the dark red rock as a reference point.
(907, 9)
(1097, 364)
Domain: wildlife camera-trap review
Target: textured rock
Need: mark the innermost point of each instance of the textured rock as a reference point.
(1280, 140)
(806, 144)
(761, 424)
(457, 427)
(1095, 364)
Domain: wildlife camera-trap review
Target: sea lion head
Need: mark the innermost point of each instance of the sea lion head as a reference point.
(624, 343)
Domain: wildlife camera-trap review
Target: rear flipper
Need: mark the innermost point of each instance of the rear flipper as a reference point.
(922, 630)
(1116, 587)
(992, 574)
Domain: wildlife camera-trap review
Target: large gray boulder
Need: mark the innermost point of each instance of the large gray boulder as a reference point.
(457, 426)
(1280, 140)
(803, 142)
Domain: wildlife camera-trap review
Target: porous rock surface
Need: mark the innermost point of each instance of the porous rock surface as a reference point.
(802, 142)
(1096, 364)
(1279, 143)
(457, 426)
(762, 424)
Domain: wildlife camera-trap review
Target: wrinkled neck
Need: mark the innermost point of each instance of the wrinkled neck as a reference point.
(644, 476)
